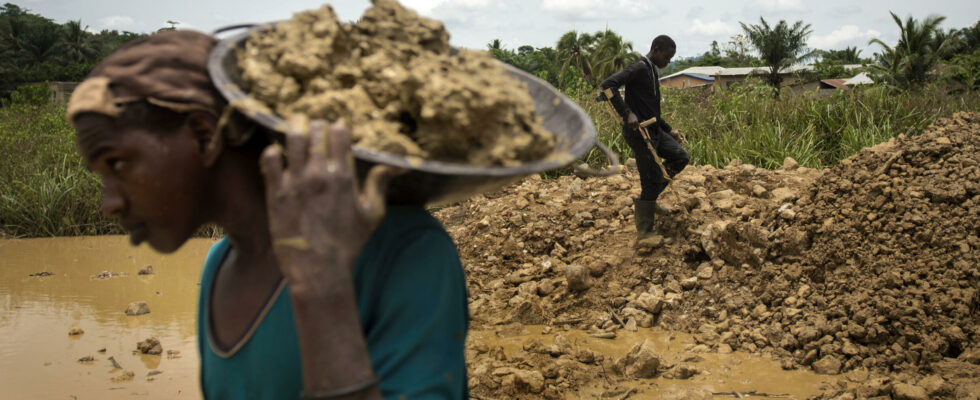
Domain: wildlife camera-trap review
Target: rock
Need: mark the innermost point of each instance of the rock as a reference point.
(41, 274)
(147, 270)
(603, 335)
(705, 271)
(114, 363)
(528, 381)
(172, 354)
(150, 346)
(642, 361)
(577, 277)
(585, 356)
(630, 325)
(649, 243)
(86, 359)
(75, 331)
(529, 314)
(829, 365)
(598, 268)
(137, 308)
(546, 287)
(154, 373)
(689, 283)
(934, 385)
(724, 349)
(971, 356)
(682, 371)
(782, 195)
(858, 375)
(124, 376)
(650, 303)
(631, 163)
(561, 346)
(789, 164)
(850, 349)
(905, 391)
(787, 213)
(759, 191)
(104, 275)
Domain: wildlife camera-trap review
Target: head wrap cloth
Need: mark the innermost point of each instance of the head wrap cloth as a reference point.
(167, 69)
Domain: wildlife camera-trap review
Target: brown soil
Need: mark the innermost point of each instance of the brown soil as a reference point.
(391, 79)
(869, 269)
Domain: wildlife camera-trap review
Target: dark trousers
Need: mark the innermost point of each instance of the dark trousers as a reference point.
(674, 157)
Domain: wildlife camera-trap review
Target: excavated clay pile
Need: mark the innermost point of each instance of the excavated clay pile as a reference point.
(390, 78)
(869, 269)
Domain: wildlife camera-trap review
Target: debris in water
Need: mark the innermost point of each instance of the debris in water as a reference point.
(137, 308)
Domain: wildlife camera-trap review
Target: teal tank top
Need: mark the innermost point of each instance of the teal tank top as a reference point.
(411, 298)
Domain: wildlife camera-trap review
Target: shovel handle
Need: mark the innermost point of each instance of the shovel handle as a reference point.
(612, 170)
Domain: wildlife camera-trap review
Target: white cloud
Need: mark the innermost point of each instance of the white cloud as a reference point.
(846, 34)
(710, 28)
(780, 5)
(426, 6)
(116, 22)
(597, 9)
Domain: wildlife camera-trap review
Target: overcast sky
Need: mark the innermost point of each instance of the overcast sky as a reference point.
(473, 23)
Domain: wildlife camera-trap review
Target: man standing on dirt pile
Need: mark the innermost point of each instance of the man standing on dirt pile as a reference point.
(319, 287)
(643, 103)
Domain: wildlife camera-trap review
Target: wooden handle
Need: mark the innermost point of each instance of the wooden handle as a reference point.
(648, 122)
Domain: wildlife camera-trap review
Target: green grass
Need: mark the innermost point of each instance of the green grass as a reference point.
(45, 190)
(816, 129)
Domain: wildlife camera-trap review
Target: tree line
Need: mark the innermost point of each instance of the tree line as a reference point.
(583, 60)
(37, 49)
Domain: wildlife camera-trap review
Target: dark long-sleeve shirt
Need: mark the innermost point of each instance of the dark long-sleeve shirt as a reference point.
(642, 92)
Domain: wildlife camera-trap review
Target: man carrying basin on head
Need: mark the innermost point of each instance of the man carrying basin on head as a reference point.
(317, 291)
(642, 105)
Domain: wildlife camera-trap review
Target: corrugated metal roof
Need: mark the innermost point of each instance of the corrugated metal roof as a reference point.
(837, 83)
(709, 71)
(712, 70)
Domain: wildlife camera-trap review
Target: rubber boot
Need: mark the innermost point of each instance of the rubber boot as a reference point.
(643, 213)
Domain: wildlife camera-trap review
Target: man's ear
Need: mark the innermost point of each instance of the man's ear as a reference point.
(210, 141)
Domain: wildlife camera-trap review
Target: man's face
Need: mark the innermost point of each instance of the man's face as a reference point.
(150, 181)
(662, 57)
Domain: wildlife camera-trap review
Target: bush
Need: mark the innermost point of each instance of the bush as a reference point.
(36, 95)
(45, 189)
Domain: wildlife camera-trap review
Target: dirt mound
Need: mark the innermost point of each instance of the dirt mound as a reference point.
(391, 79)
(869, 266)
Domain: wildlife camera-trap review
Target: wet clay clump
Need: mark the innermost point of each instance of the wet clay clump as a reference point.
(390, 78)
(869, 269)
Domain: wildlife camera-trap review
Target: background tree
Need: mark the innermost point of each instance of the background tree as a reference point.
(737, 49)
(573, 51)
(610, 55)
(35, 49)
(779, 47)
(919, 49)
(849, 55)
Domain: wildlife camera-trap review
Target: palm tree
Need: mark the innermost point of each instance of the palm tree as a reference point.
(76, 43)
(611, 54)
(908, 64)
(494, 45)
(779, 47)
(573, 50)
(850, 55)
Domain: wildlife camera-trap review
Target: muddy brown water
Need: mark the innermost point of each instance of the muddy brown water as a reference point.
(38, 358)
(739, 374)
